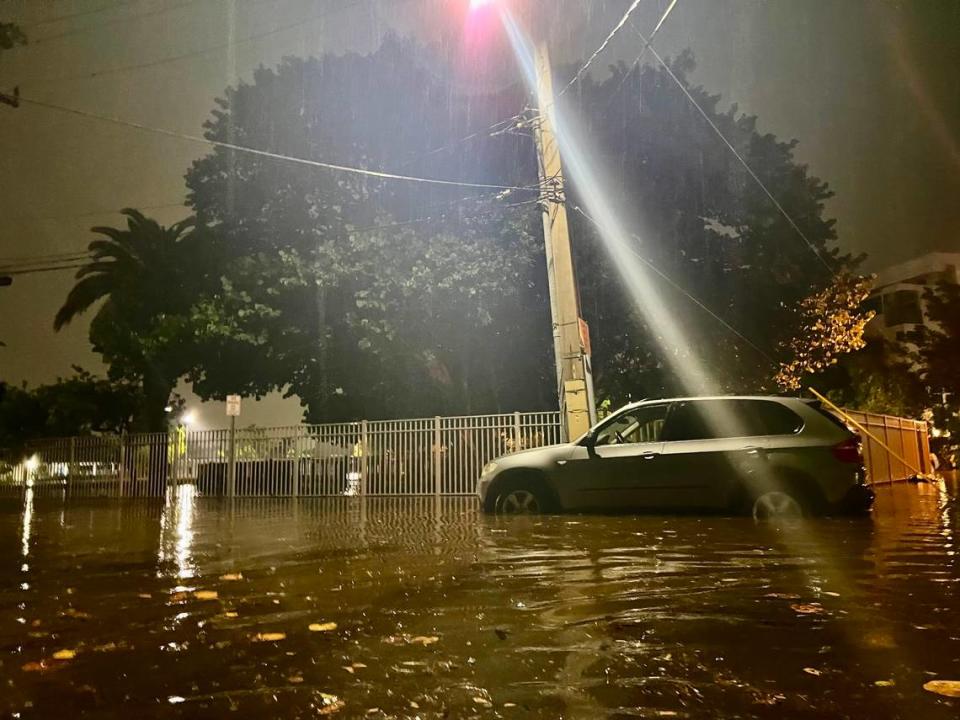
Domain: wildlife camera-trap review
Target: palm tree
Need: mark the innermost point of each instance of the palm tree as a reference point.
(144, 279)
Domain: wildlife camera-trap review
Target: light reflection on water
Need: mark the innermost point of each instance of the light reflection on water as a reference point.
(565, 616)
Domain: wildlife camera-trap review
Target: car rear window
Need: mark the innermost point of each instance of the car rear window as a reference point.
(712, 419)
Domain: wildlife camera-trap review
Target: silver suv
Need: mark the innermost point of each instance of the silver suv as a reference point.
(765, 456)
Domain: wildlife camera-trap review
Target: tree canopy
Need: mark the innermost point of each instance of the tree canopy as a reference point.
(338, 289)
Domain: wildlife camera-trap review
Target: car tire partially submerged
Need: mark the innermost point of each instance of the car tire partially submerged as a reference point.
(776, 505)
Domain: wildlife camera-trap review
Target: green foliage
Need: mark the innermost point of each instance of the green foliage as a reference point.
(938, 354)
(144, 281)
(11, 36)
(874, 379)
(364, 298)
(78, 405)
(451, 314)
(700, 218)
(831, 325)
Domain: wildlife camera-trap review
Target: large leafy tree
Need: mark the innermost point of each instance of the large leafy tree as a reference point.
(367, 298)
(143, 280)
(693, 211)
(391, 320)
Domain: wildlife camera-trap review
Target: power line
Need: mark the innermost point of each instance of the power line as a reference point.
(603, 46)
(110, 23)
(201, 51)
(646, 45)
(55, 268)
(736, 154)
(272, 155)
(696, 301)
(36, 260)
(94, 11)
(496, 128)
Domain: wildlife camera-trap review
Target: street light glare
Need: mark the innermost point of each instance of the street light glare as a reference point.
(480, 4)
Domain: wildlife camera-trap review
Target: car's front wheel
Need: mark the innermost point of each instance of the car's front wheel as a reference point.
(524, 495)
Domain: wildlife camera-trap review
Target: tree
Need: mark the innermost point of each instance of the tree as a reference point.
(78, 405)
(312, 304)
(937, 353)
(144, 281)
(693, 211)
(874, 379)
(831, 325)
(365, 298)
(11, 36)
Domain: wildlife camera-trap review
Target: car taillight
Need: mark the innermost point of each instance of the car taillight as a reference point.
(849, 451)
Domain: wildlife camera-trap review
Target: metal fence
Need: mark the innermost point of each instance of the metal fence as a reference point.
(429, 456)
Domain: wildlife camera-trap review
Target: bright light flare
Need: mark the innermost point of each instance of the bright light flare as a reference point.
(188, 418)
(481, 4)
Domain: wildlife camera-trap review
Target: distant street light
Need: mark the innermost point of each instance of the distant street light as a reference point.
(188, 418)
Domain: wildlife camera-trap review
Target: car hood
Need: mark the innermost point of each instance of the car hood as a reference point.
(540, 456)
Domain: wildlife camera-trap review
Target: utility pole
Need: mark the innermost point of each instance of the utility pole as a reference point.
(570, 335)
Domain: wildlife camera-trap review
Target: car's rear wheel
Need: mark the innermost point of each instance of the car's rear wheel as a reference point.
(777, 505)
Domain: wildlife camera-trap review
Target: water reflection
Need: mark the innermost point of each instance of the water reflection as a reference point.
(176, 532)
(392, 604)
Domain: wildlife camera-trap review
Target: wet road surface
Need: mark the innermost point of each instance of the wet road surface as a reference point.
(418, 608)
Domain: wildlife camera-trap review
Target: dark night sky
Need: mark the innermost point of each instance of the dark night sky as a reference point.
(870, 88)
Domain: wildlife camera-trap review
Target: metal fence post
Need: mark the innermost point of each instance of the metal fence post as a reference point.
(122, 471)
(232, 459)
(295, 474)
(437, 458)
(364, 457)
(71, 473)
(517, 435)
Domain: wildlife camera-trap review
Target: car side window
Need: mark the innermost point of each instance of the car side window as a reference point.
(639, 425)
(714, 419)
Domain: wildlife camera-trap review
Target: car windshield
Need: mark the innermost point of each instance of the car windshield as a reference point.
(642, 424)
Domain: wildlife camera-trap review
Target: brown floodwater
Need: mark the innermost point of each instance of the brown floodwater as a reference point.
(409, 608)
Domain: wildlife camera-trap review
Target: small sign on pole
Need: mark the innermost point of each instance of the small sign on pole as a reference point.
(233, 406)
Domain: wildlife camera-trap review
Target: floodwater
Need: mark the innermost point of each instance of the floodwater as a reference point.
(419, 608)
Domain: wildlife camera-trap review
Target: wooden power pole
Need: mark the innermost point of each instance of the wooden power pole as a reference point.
(570, 338)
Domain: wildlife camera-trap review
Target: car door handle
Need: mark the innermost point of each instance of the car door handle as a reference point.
(649, 455)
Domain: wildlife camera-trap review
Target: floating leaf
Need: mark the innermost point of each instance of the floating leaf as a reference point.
(810, 609)
(295, 679)
(64, 654)
(77, 614)
(231, 614)
(229, 577)
(482, 701)
(812, 671)
(947, 688)
(424, 640)
(35, 667)
(144, 596)
(331, 704)
(884, 683)
(322, 627)
(175, 699)
(269, 637)
(782, 596)
(206, 594)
